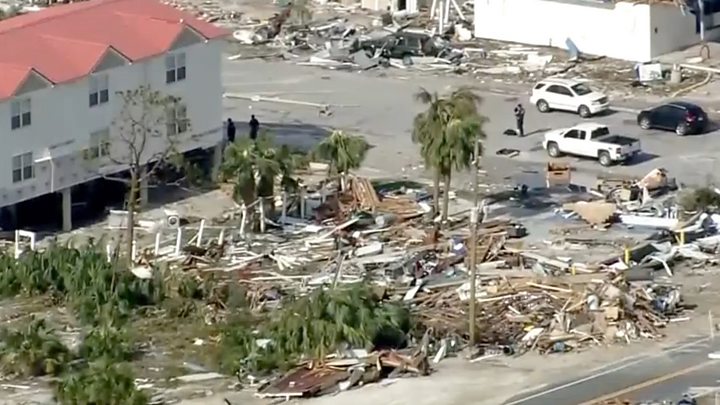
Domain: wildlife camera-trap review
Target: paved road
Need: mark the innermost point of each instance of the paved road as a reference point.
(664, 375)
(382, 109)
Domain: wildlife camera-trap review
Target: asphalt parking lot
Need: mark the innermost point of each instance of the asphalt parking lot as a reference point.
(382, 109)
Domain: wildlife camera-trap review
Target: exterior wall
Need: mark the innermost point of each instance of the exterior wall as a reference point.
(634, 32)
(672, 31)
(62, 121)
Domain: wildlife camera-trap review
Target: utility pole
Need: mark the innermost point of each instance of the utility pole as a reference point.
(473, 242)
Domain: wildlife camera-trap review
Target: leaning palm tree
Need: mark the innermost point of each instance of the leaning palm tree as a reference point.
(446, 133)
(343, 152)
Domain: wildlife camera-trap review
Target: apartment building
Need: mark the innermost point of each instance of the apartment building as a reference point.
(60, 71)
(636, 31)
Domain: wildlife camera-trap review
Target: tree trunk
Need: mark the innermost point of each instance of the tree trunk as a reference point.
(446, 196)
(436, 193)
(132, 202)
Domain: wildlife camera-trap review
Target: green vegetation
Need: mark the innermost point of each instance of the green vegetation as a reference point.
(32, 351)
(103, 295)
(447, 132)
(343, 152)
(82, 278)
(107, 342)
(253, 166)
(312, 327)
(101, 383)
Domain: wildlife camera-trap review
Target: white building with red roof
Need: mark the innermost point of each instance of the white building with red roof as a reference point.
(60, 69)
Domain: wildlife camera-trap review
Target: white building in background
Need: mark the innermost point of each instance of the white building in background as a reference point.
(627, 30)
(60, 69)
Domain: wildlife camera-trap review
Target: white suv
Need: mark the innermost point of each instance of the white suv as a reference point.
(568, 95)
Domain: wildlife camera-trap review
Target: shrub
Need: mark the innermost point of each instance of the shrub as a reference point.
(34, 350)
(108, 342)
(314, 326)
(102, 383)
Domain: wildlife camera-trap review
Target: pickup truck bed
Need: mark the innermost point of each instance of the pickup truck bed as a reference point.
(618, 140)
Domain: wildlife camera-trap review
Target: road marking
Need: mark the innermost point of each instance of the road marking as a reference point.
(608, 371)
(649, 383)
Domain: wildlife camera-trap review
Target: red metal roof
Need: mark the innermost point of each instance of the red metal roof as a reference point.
(64, 43)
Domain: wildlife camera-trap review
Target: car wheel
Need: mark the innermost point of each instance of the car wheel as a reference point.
(543, 106)
(584, 111)
(604, 159)
(645, 123)
(682, 129)
(553, 150)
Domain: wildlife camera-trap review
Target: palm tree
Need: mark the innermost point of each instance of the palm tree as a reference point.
(254, 166)
(343, 152)
(447, 132)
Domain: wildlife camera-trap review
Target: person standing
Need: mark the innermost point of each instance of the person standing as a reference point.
(230, 130)
(519, 119)
(254, 127)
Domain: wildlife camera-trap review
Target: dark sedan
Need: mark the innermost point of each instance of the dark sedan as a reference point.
(681, 117)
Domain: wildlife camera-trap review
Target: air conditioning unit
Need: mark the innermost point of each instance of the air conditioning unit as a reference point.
(172, 219)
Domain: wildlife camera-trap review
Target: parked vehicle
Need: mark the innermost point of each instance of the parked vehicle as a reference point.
(400, 45)
(679, 116)
(591, 140)
(568, 95)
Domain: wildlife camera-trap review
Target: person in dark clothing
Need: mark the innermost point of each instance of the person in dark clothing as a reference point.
(254, 127)
(519, 119)
(230, 130)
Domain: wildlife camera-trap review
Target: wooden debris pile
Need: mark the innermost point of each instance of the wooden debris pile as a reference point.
(366, 198)
(550, 314)
(341, 373)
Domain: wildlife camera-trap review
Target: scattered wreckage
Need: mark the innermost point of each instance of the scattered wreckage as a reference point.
(527, 300)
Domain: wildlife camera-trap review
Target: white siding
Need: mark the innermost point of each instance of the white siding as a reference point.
(62, 120)
(628, 31)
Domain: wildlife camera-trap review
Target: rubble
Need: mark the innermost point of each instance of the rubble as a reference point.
(355, 232)
(339, 374)
(440, 43)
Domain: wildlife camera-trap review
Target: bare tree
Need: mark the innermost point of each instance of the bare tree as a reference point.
(144, 138)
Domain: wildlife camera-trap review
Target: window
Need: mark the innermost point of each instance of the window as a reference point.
(573, 134)
(175, 68)
(539, 86)
(559, 90)
(668, 110)
(177, 122)
(581, 89)
(599, 132)
(22, 167)
(99, 144)
(20, 114)
(99, 91)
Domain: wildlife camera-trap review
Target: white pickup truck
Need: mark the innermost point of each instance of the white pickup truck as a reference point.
(591, 140)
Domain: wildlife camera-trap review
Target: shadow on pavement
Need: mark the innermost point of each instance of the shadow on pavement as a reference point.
(641, 158)
(299, 135)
